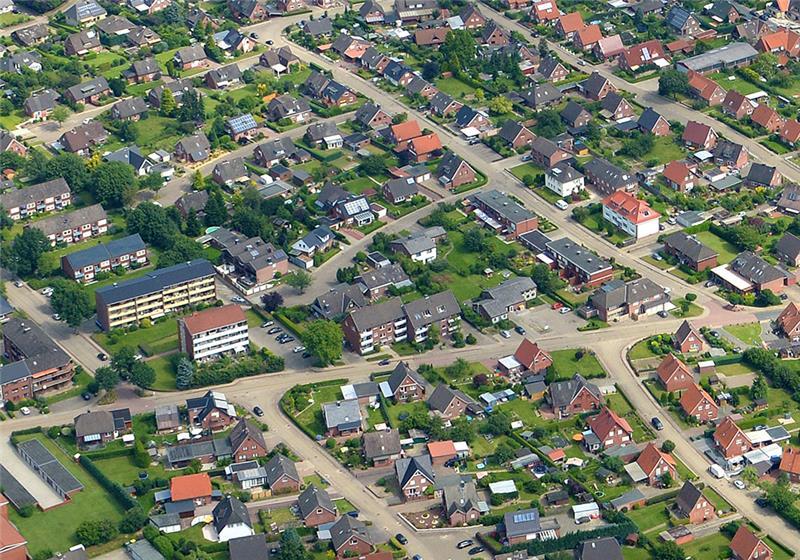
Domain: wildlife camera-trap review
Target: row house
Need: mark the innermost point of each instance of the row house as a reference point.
(690, 251)
(49, 196)
(577, 264)
(503, 214)
(84, 266)
(607, 178)
(75, 226)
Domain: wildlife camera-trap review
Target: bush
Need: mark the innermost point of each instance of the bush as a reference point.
(95, 532)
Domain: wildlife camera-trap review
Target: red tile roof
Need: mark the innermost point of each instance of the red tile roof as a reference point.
(214, 318)
(790, 461)
(790, 130)
(693, 396)
(528, 351)
(631, 208)
(441, 449)
(650, 456)
(696, 133)
(644, 53)
(677, 172)
(9, 536)
(546, 10)
(602, 424)
(669, 366)
(744, 543)
(425, 144)
(589, 35)
(727, 431)
(763, 114)
(570, 23)
(189, 487)
(703, 86)
(406, 130)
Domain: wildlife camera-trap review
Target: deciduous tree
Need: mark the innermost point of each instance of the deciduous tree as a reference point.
(324, 339)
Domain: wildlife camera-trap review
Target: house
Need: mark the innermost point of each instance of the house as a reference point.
(247, 441)
(731, 55)
(789, 320)
(546, 153)
(767, 118)
(564, 180)
(444, 105)
(454, 172)
(602, 548)
(40, 105)
(467, 117)
(342, 418)
(577, 264)
(167, 418)
(573, 396)
(575, 115)
(679, 176)
(568, 24)
(609, 429)
(114, 30)
(88, 92)
(749, 272)
(279, 60)
(282, 476)
(75, 226)
(617, 299)
(375, 325)
(9, 143)
(83, 137)
(653, 123)
(419, 246)
(430, 37)
(20, 60)
(84, 12)
(745, 545)
(177, 88)
(552, 70)
(502, 214)
(461, 504)
(193, 56)
(397, 74)
(93, 429)
(439, 310)
(543, 11)
(338, 301)
(349, 536)
(252, 10)
(608, 47)
(737, 105)
(400, 190)
(317, 241)
(449, 403)
(325, 135)
(381, 448)
(541, 96)
(13, 546)
(375, 61)
(783, 40)
(644, 55)
(730, 154)
(790, 464)
(587, 37)
(414, 476)
(31, 36)
(231, 171)
(223, 77)
(231, 519)
(790, 131)
(654, 463)
(674, 375)
(405, 131)
(472, 17)
(378, 282)
(730, 440)
(371, 12)
(317, 27)
(241, 127)
(316, 507)
(698, 404)
(691, 503)
(195, 488)
(698, 135)
(690, 251)
(212, 411)
(597, 87)
(288, 107)
(762, 175)
(494, 304)
(630, 214)
(525, 525)
(272, 152)
(705, 89)
(131, 109)
(617, 107)
(43, 197)
(405, 384)
(122, 253)
(82, 42)
(372, 116)
(494, 35)
(682, 22)
(414, 10)
(193, 149)
(516, 134)
(531, 358)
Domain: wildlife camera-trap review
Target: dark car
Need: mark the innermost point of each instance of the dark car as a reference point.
(102, 356)
(269, 41)
(476, 550)
(520, 330)
(657, 424)
(762, 502)
(465, 544)
(306, 355)
(87, 396)
(401, 538)
(384, 362)
(257, 411)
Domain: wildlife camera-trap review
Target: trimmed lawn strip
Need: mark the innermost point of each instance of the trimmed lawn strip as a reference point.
(715, 545)
(649, 517)
(160, 337)
(749, 333)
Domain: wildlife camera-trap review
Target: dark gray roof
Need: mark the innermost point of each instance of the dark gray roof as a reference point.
(339, 300)
(611, 101)
(312, 498)
(84, 9)
(220, 447)
(449, 165)
(191, 53)
(755, 269)
(688, 496)
(368, 7)
(133, 156)
(143, 550)
(407, 467)
(129, 107)
(280, 466)
(342, 414)
(416, 85)
(114, 25)
(443, 395)
(522, 522)
(535, 240)
(562, 392)
(677, 17)
(440, 102)
(689, 245)
(244, 429)
(16, 493)
(225, 73)
(41, 351)
(563, 172)
(510, 130)
(345, 528)
(381, 444)
(504, 206)
(727, 151)
(578, 255)
(241, 123)
(603, 548)
(760, 173)
(41, 459)
(572, 112)
(465, 115)
(22, 197)
(165, 520)
(431, 309)
(788, 246)
(196, 146)
(391, 275)
(400, 372)
(541, 95)
(106, 251)
(231, 169)
(253, 547)
(649, 119)
(548, 65)
(230, 511)
(88, 88)
(155, 281)
(97, 422)
(543, 146)
(460, 498)
(318, 131)
(402, 187)
(603, 169)
(318, 26)
(378, 314)
(594, 83)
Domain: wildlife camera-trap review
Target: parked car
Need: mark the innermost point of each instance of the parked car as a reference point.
(739, 484)
(269, 41)
(401, 538)
(762, 502)
(238, 299)
(663, 314)
(476, 550)
(298, 349)
(19, 283)
(25, 410)
(56, 317)
(505, 334)
(257, 411)
(274, 330)
(102, 356)
(657, 423)
(87, 396)
(267, 324)
(561, 204)
(520, 329)
(565, 310)
(709, 283)
(254, 35)
(465, 544)
(385, 362)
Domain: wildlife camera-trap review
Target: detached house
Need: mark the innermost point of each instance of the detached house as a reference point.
(631, 215)
(692, 504)
(552, 70)
(381, 448)
(288, 107)
(193, 149)
(247, 441)
(597, 87)
(745, 545)
(674, 375)
(767, 118)
(616, 108)
(654, 463)
(653, 123)
(731, 441)
(705, 88)
(695, 402)
(453, 171)
(682, 22)
(372, 116)
(679, 176)
(449, 403)
(687, 339)
(193, 56)
(644, 55)
(349, 537)
(414, 476)
(737, 105)
(690, 251)
(88, 92)
(516, 134)
(405, 384)
(730, 154)
(607, 429)
(787, 249)
(573, 396)
(282, 476)
(699, 135)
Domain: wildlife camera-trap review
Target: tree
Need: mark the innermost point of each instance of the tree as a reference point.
(691, 297)
(475, 240)
(503, 454)
(140, 457)
(26, 249)
(300, 280)
(666, 480)
(106, 377)
(182, 250)
(373, 165)
(292, 547)
(184, 374)
(135, 518)
(767, 298)
(459, 51)
(749, 475)
(152, 223)
(117, 86)
(113, 184)
(198, 181)
(91, 533)
(668, 446)
(668, 551)
(500, 105)
(71, 167)
(142, 374)
(758, 390)
(215, 210)
(72, 302)
(123, 360)
(60, 114)
(168, 105)
(324, 339)
(431, 69)
(193, 225)
(672, 82)
(271, 301)
(544, 278)
(549, 124)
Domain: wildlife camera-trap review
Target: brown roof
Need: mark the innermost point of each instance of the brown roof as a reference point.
(669, 366)
(789, 317)
(693, 396)
(650, 456)
(727, 431)
(189, 487)
(696, 132)
(744, 543)
(602, 424)
(703, 86)
(790, 461)
(762, 114)
(434, 36)
(213, 318)
(571, 23)
(528, 351)
(677, 172)
(790, 130)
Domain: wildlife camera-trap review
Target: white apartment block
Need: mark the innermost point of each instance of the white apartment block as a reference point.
(214, 332)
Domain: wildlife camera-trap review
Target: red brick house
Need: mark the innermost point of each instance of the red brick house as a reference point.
(316, 507)
(737, 105)
(247, 442)
(441, 451)
(790, 464)
(730, 440)
(699, 135)
(568, 24)
(516, 134)
(453, 171)
(282, 477)
(678, 176)
(655, 464)
(405, 384)
(642, 56)
(697, 403)
(687, 339)
(790, 131)
(692, 504)
(13, 545)
(674, 375)
(448, 403)
(611, 429)
(706, 89)
(532, 357)
(194, 487)
(745, 545)
(460, 503)
(573, 396)
(349, 537)
(617, 107)
(766, 117)
(587, 37)
(653, 123)
(789, 321)
(211, 411)
(414, 476)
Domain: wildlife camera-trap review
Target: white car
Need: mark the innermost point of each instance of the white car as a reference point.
(505, 334)
(47, 291)
(565, 310)
(739, 484)
(56, 316)
(298, 349)
(238, 299)
(25, 410)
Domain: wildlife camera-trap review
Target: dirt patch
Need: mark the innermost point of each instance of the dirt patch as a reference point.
(429, 519)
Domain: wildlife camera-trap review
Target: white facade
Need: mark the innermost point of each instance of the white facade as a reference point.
(425, 256)
(235, 531)
(562, 188)
(639, 230)
(207, 345)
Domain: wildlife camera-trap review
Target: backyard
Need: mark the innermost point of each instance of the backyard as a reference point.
(726, 251)
(566, 363)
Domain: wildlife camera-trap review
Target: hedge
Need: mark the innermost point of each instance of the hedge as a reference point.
(17, 433)
(725, 360)
(666, 496)
(111, 453)
(117, 492)
(570, 541)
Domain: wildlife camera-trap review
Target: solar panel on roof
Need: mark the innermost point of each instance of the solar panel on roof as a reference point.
(523, 517)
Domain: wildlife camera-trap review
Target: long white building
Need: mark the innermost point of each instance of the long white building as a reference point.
(214, 332)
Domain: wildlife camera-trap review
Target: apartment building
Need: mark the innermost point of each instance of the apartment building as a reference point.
(36, 199)
(35, 366)
(75, 226)
(156, 294)
(375, 325)
(440, 310)
(631, 215)
(84, 265)
(502, 214)
(214, 332)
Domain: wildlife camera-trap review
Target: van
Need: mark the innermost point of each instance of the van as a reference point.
(717, 471)
(561, 204)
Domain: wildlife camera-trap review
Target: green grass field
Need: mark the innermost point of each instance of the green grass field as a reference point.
(454, 87)
(311, 417)
(641, 350)
(526, 169)
(716, 545)
(649, 517)
(726, 251)
(749, 333)
(565, 364)
(734, 369)
(694, 310)
(742, 86)
(161, 337)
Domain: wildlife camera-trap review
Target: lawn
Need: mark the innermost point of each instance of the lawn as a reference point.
(693, 310)
(731, 370)
(526, 169)
(778, 552)
(165, 374)
(12, 19)
(54, 530)
(635, 553)
(396, 410)
(720, 504)
(156, 132)
(156, 339)
(749, 333)
(715, 545)
(742, 86)
(565, 364)
(641, 350)
(726, 251)
(649, 517)
(311, 417)
(525, 411)
(664, 150)
(123, 471)
(454, 87)
(358, 186)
